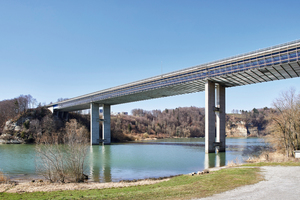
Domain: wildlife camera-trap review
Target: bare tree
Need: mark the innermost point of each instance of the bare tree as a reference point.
(285, 127)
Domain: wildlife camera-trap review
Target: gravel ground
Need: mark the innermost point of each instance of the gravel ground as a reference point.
(280, 183)
(47, 187)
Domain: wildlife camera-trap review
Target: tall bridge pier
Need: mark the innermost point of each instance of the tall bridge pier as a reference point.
(106, 133)
(214, 117)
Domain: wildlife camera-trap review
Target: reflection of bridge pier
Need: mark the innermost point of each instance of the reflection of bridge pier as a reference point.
(214, 160)
(100, 169)
(106, 168)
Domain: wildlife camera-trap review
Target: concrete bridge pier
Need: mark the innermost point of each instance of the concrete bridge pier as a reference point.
(94, 124)
(214, 117)
(95, 129)
(106, 133)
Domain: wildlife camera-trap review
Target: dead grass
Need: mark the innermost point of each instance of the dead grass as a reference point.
(274, 157)
(3, 178)
(234, 163)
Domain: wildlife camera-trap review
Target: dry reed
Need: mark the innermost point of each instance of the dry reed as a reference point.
(3, 178)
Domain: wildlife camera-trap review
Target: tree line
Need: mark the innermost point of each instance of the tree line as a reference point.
(182, 122)
(11, 108)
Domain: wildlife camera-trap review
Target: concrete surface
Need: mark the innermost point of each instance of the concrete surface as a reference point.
(280, 183)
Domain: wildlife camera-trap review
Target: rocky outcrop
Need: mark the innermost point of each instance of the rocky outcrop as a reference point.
(11, 126)
(240, 129)
(11, 133)
(10, 139)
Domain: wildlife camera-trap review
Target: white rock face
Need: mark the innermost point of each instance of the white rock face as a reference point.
(11, 126)
(15, 141)
(10, 139)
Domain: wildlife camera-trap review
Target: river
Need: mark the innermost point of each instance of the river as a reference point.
(128, 161)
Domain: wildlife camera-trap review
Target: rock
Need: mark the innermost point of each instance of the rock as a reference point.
(206, 171)
(192, 174)
(85, 177)
(11, 126)
(17, 128)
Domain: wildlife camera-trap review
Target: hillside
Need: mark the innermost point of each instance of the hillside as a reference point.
(39, 124)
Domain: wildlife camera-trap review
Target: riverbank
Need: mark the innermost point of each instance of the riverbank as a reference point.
(279, 179)
(46, 186)
(185, 186)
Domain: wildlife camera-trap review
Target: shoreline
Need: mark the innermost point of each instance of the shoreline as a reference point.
(46, 186)
(17, 185)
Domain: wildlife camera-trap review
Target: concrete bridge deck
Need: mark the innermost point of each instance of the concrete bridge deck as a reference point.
(270, 64)
(274, 63)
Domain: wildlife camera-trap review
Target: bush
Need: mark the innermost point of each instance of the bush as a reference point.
(61, 163)
(26, 124)
(23, 134)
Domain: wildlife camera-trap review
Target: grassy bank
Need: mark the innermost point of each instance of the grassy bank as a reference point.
(181, 187)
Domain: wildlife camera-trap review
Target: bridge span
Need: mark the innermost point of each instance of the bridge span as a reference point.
(269, 64)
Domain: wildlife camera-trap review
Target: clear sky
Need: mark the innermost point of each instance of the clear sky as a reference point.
(66, 48)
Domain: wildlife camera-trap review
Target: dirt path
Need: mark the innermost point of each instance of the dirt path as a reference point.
(280, 183)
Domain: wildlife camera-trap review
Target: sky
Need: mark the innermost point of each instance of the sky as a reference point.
(63, 49)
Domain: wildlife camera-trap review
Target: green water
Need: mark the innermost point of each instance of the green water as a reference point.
(135, 160)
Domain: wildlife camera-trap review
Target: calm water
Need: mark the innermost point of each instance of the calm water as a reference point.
(137, 160)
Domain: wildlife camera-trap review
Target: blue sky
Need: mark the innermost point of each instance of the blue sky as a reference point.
(63, 49)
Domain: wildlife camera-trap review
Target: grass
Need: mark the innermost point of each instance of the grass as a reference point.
(181, 187)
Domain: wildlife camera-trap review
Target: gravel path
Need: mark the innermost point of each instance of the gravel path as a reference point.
(280, 183)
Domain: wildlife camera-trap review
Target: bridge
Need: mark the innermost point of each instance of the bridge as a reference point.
(269, 64)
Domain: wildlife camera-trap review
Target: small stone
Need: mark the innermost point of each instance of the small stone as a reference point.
(192, 174)
(33, 181)
(206, 171)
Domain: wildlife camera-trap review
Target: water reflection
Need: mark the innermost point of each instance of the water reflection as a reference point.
(214, 160)
(99, 163)
(106, 169)
(136, 161)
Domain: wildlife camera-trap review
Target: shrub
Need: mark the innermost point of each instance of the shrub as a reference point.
(23, 134)
(26, 124)
(61, 163)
